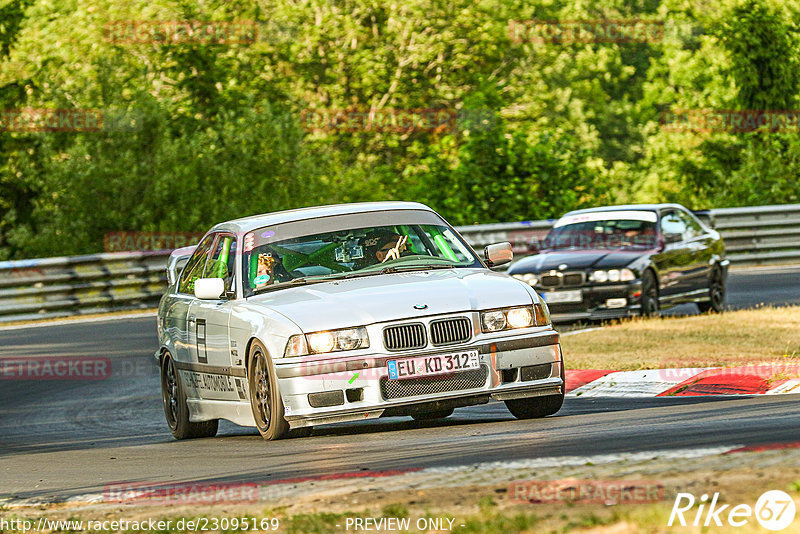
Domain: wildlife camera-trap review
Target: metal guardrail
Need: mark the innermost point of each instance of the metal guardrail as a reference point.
(79, 285)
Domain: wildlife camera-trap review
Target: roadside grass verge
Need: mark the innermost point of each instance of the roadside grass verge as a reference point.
(742, 337)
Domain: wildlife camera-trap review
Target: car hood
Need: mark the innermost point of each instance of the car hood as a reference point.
(392, 297)
(577, 260)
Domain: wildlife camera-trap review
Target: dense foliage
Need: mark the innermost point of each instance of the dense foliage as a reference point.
(199, 131)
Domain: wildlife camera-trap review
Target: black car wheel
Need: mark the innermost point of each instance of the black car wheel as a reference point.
(716, 293)
(265, 397)
(175, 408)
(649, 299)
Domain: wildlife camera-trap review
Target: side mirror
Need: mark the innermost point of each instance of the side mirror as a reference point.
(673, 238)
(498, 254)
(209, 288)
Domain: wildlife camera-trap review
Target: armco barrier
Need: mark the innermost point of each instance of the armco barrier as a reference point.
(58, 287)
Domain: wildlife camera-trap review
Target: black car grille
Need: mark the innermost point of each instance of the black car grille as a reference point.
(573, 279)
(426, 385)
(561, 280)
(405, 337)
(550, 280)
(449, 331)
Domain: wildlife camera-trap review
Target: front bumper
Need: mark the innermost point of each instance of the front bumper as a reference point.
(608, 301)
(512, 367)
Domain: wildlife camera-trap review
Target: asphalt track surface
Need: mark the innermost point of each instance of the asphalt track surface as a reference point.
(66, 438)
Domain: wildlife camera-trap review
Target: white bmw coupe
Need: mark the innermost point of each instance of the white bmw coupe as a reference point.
(340, 313)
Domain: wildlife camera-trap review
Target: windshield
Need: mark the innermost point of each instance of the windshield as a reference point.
(350, 252)
(603, 234)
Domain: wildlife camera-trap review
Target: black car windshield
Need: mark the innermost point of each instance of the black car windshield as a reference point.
(612, 233)
(349, 252)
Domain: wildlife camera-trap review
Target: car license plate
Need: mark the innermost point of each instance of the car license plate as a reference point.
(438, 364)
(557, 297)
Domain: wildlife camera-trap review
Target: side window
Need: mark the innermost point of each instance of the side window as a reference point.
(693, 228)
(195, 265)
(222, 261)
(671, 223)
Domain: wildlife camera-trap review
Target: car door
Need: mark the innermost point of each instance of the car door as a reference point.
(675, 260)
(208, 320)
(176, 318)
(699, 243)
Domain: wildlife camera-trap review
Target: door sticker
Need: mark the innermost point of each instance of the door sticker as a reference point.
(202, 350)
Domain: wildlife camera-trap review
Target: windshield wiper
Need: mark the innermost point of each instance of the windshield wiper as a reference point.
(291, 283)
(400, 268)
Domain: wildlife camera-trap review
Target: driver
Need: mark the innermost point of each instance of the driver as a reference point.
(382, 245)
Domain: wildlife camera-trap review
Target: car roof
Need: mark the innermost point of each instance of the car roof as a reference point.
(254, 222)
(627, 207)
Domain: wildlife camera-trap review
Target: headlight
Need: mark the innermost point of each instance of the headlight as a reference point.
(510, 318)
(519, 317)
(529, 278)
(328, 341)
(613, 275)
(493, 321)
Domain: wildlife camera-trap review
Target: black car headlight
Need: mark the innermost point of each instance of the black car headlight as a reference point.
(512, 318)
(327, 341)
(612, 275)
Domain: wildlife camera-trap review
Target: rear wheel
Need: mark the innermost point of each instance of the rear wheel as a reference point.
(649, 298)
(428, 416)
(716, 293)
(175, 408)
(265, 397)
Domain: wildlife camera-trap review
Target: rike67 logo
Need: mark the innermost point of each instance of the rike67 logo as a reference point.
(774, 510)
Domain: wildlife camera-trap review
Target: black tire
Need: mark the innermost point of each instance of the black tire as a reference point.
(716, 293)
(265, 396)
(649, 299)
(537, 407)
(176, 411)
(428, 416)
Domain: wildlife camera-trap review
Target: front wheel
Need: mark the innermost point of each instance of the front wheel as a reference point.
(716, 294)
(535, 407)
(649, 299)
(265, 397)
(175, 407)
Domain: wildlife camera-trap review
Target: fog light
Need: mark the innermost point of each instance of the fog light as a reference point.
(616, 303)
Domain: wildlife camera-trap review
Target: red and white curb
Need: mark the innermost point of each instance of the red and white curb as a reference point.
(760, 379)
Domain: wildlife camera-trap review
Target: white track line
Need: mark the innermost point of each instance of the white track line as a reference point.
(73, 320)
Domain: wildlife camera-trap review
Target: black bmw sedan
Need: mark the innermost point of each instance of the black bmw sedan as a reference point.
(619, 261)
